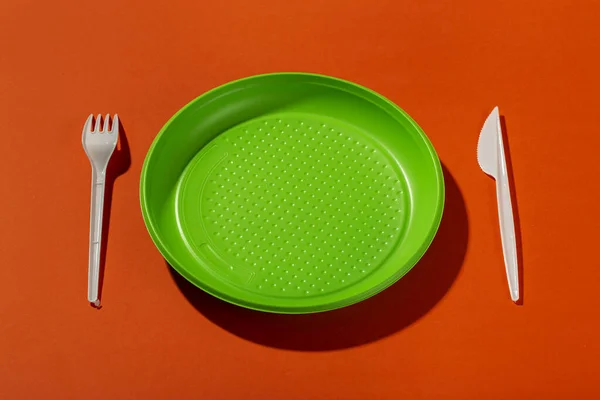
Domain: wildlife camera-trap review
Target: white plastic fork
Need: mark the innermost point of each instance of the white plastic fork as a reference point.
(99, 143)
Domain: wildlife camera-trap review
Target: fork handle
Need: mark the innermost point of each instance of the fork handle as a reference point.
(96, 211)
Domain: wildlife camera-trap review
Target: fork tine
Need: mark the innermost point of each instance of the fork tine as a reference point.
(106, 120)
(115, 124)
(98, 121)
(87, 127)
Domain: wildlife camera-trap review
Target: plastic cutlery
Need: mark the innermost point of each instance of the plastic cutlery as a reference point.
(99, 143)
(492, 160)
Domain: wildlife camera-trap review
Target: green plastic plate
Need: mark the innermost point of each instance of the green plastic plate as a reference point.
(292, 192)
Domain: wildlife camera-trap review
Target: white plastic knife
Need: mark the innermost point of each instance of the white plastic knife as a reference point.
(492, 160)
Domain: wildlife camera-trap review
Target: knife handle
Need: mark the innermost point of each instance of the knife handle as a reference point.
(507, 224)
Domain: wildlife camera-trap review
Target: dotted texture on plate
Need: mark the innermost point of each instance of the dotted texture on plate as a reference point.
(308, 206)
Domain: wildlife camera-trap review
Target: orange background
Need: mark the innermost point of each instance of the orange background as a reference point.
(446, 331)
